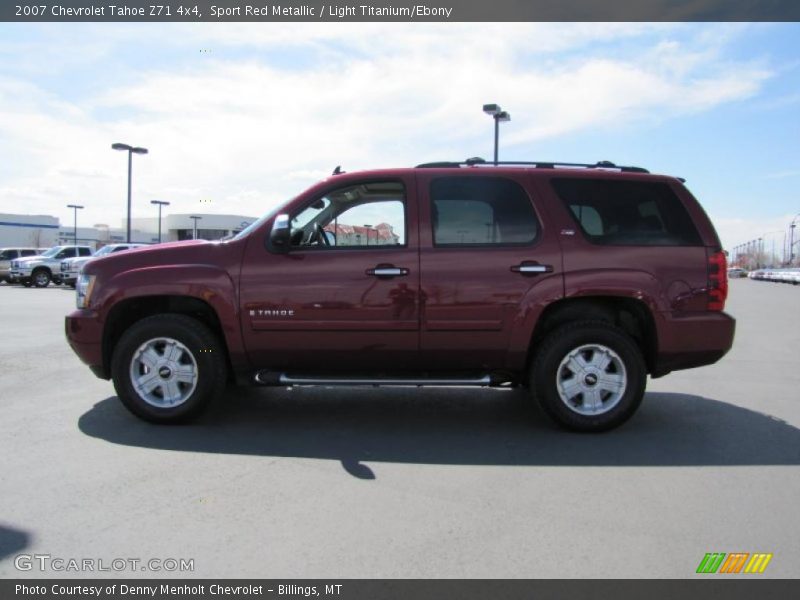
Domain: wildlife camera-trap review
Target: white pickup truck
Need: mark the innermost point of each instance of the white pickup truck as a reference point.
(46, 267)
(71, 267)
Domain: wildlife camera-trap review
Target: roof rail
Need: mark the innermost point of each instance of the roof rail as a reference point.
(477, 161)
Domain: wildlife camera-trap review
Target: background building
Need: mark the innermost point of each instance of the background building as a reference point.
(32, 231)
(176, 227)
(43, 231)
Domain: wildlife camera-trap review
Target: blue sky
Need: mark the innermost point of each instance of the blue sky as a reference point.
(246, 115)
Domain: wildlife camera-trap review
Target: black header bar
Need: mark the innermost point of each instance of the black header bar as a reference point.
(397, 10)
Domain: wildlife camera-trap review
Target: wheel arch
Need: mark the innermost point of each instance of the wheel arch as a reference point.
(125, 313)
(632, 315)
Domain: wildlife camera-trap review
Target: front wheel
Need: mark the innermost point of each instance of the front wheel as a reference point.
(167, 368)
(41, 278)
(589, 376)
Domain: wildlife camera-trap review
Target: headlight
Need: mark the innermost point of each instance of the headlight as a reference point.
(84, 288)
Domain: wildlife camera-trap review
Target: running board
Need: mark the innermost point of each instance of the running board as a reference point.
(272, 378)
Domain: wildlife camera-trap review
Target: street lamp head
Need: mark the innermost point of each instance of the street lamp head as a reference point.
(118, 146)
(75, 206)
(503, 116)
(491, 109)
(161, 202)
(139, 150)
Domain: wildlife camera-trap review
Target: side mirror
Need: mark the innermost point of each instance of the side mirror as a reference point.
(281, 234)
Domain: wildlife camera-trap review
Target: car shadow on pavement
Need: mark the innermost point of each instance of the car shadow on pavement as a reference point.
(12, 541)
(454, 426)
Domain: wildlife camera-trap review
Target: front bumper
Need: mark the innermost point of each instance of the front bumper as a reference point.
(84, 331)
(689, 340)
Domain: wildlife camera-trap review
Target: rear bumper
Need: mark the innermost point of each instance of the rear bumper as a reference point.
(84, 332)
(688, 340)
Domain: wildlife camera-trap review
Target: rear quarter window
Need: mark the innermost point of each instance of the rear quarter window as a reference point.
(627, 213)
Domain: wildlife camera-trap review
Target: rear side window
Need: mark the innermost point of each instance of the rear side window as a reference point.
(474, 211)
(84, 251)
(29, 253)
(627, 213)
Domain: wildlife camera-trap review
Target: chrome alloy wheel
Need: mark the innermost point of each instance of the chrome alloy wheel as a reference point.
(163, 372)
(591, 379)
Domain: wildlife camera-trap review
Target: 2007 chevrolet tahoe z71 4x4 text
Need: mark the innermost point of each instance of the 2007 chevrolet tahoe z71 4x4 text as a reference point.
(576, 281)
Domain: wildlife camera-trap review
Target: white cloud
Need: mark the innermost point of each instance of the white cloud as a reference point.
(251, 124)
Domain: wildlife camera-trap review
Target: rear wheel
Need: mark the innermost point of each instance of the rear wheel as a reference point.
(167, 368)
(589, 376)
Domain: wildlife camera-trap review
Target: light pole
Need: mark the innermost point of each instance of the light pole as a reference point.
(759, 251)
(131, 151)
(791, 239)
(368, 230)
(160, 203)
(75, 208)
(763, 245)
(194, 232)
(498, 115)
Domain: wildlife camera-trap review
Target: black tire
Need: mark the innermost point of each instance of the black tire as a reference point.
(26, 283)
(626, 364)
(205, 349)
(41, 278)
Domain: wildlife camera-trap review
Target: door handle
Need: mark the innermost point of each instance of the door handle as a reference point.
(387, 271)
(531, 268)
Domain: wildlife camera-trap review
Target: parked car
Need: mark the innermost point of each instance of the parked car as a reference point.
(9, 254)
(40, 270)
(736, 272)
(788, 275)
(574, 282)
(71, 267)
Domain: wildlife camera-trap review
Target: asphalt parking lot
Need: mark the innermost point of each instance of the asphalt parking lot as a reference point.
(346, 483)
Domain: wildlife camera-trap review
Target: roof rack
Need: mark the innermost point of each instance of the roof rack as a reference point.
(477, 161)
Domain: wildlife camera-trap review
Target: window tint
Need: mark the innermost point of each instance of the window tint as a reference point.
(29, 253)
(8, 254)
(481, 211)
(366, 214)
(628, 213)
(84, 252)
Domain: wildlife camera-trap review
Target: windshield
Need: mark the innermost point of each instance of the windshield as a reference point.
(52, 251)
(104, 250)
(257, 223)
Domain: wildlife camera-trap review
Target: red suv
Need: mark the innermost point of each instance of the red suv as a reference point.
(576, 281)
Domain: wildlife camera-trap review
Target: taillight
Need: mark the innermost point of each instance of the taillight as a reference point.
(717, 281)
